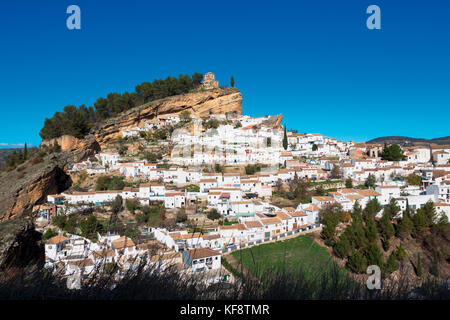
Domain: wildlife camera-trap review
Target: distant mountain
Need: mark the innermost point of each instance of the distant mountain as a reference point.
(410, 141)
(4, 153)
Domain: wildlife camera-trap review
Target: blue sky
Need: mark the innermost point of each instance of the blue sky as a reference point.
(313, 61)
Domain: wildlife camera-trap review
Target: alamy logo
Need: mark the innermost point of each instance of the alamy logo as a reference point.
(374, 280)
(374, 20)
(74, 20)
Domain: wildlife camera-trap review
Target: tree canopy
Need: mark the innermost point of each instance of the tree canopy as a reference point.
(393, 153)
(78, 121)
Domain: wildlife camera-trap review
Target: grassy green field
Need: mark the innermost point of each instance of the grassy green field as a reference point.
(300, 255)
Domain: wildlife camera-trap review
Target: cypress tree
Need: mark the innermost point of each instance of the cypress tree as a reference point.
(285, 139)
(232, 82)
(25, 152)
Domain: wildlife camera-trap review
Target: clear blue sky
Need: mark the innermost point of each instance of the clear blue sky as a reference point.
(313, 61)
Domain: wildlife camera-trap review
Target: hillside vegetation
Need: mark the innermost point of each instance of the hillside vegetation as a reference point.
(77, 122)
(408, 140)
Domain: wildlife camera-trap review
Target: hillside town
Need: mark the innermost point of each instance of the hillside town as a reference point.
(225, 182)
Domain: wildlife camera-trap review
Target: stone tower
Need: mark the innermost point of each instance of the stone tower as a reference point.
(209, 81)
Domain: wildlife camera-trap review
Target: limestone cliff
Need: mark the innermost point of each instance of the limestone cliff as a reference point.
(200, 104)
(30, 183)
(20, 247)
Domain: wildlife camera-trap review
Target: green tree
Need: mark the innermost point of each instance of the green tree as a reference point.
(117, 205)
(371, 230)
(393, 153)
(192, 188)
(285, 139)
(420, 221)
(357, 262)
(392, 209)
(430, 213)
(370, 181)
(49, 233)
(181, 217)
(357, 210)
(401, 254)
(405, 226)
(342, 247)
(25, 152)
(386, 226)
(315, 147)
(59, 221)
(372, 208)
(89, 227)
(71, 224)
(374, 255)
(56, 147)
(391, 264)
(131, 205)
(213, 214)
(336, 172)
(413, 180)
(385, 243)
(232, 81)
(349, 183)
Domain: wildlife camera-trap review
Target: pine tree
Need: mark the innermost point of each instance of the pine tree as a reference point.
(342, 247)
(405, 226)
(391, 264)
(371, 230)
(386, 226)
(357, 262)
(285, 139)
(232, 82)
(374, 255)
(401, 254)
(392, 209)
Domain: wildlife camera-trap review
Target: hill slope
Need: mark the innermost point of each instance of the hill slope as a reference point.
(408, 140)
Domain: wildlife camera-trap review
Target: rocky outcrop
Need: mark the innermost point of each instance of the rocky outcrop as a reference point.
(66, 142)
(20, 247)
(30, 183)
(274, 121)
(200, 104)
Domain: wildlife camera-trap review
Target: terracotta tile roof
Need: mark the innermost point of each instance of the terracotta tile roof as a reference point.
(368, 192)
(267, 221)
(202, 253)
(298, 214)
(312, 207)
(82, 263)
(253, 224)
(283, 216)
(123, 242)
(237, 226)
(57, 239)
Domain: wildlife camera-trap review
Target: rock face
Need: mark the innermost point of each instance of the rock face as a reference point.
(20, 246)
(30, 183)
(200, 104)
(66, 142)
(274, 121)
